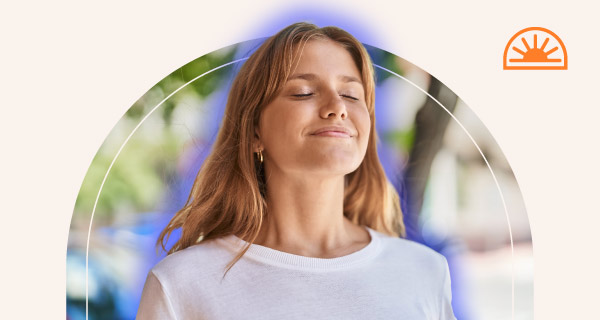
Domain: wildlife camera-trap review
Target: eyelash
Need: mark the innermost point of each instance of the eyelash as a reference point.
(304, 95)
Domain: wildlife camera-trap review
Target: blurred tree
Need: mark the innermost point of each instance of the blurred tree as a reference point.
(431, 122)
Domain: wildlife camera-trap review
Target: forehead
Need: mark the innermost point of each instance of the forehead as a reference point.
(321, 56)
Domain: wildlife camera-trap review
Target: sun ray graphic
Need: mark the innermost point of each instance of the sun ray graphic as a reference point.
(523, 51)
(535, 54)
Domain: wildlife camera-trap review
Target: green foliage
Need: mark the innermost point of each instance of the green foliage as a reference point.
(386, 60)
(200, 88)
(403, 139)
(148, 161)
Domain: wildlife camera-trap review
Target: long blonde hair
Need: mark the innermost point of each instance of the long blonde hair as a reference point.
(228, 194)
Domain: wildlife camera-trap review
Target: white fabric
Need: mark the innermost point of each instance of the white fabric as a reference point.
(390, 278)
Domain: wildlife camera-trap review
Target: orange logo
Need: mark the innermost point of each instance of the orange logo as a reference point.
(525, 54)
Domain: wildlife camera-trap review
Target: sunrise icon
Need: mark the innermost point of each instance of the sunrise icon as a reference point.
(522, 51)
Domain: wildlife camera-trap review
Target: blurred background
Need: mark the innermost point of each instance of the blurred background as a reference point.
(458, 193)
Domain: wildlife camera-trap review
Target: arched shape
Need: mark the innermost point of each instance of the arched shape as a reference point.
(143, 170)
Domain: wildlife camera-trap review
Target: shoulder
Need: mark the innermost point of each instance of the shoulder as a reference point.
(203, 260)
(411, 254)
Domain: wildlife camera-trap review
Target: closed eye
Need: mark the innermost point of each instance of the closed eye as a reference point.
(300, 95)
(349, 97)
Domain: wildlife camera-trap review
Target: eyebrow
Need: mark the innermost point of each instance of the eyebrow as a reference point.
(312, 77)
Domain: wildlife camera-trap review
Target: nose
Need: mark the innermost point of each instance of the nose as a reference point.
(334, 107)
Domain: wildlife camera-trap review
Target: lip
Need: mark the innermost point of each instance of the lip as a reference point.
(333, 131)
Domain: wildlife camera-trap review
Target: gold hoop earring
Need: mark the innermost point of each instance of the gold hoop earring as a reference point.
(260, 155)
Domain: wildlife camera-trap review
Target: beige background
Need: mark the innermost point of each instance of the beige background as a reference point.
(71, 70)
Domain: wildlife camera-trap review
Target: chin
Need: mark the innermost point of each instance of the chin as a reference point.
(336, 168)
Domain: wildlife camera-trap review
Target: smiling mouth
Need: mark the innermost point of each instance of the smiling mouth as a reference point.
(333, 134)
(336, 131)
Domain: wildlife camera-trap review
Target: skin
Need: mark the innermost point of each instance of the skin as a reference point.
(305, 172)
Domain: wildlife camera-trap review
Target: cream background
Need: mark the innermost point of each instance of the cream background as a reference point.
(70, 70)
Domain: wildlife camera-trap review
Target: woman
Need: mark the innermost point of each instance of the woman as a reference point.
(291, 216)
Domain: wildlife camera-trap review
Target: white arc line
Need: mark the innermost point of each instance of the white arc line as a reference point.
(512, 249)
(87, 249)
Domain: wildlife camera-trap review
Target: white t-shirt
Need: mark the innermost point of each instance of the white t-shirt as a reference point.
(390, 278)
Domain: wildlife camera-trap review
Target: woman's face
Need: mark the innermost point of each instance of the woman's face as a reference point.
(319, 122)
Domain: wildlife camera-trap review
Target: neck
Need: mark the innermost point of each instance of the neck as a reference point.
(306, 217)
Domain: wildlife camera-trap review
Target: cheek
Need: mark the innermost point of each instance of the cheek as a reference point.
(363, 123)
(279, 127)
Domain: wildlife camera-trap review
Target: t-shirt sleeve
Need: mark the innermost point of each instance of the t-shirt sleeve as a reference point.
(446, 312)
(155, 302)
